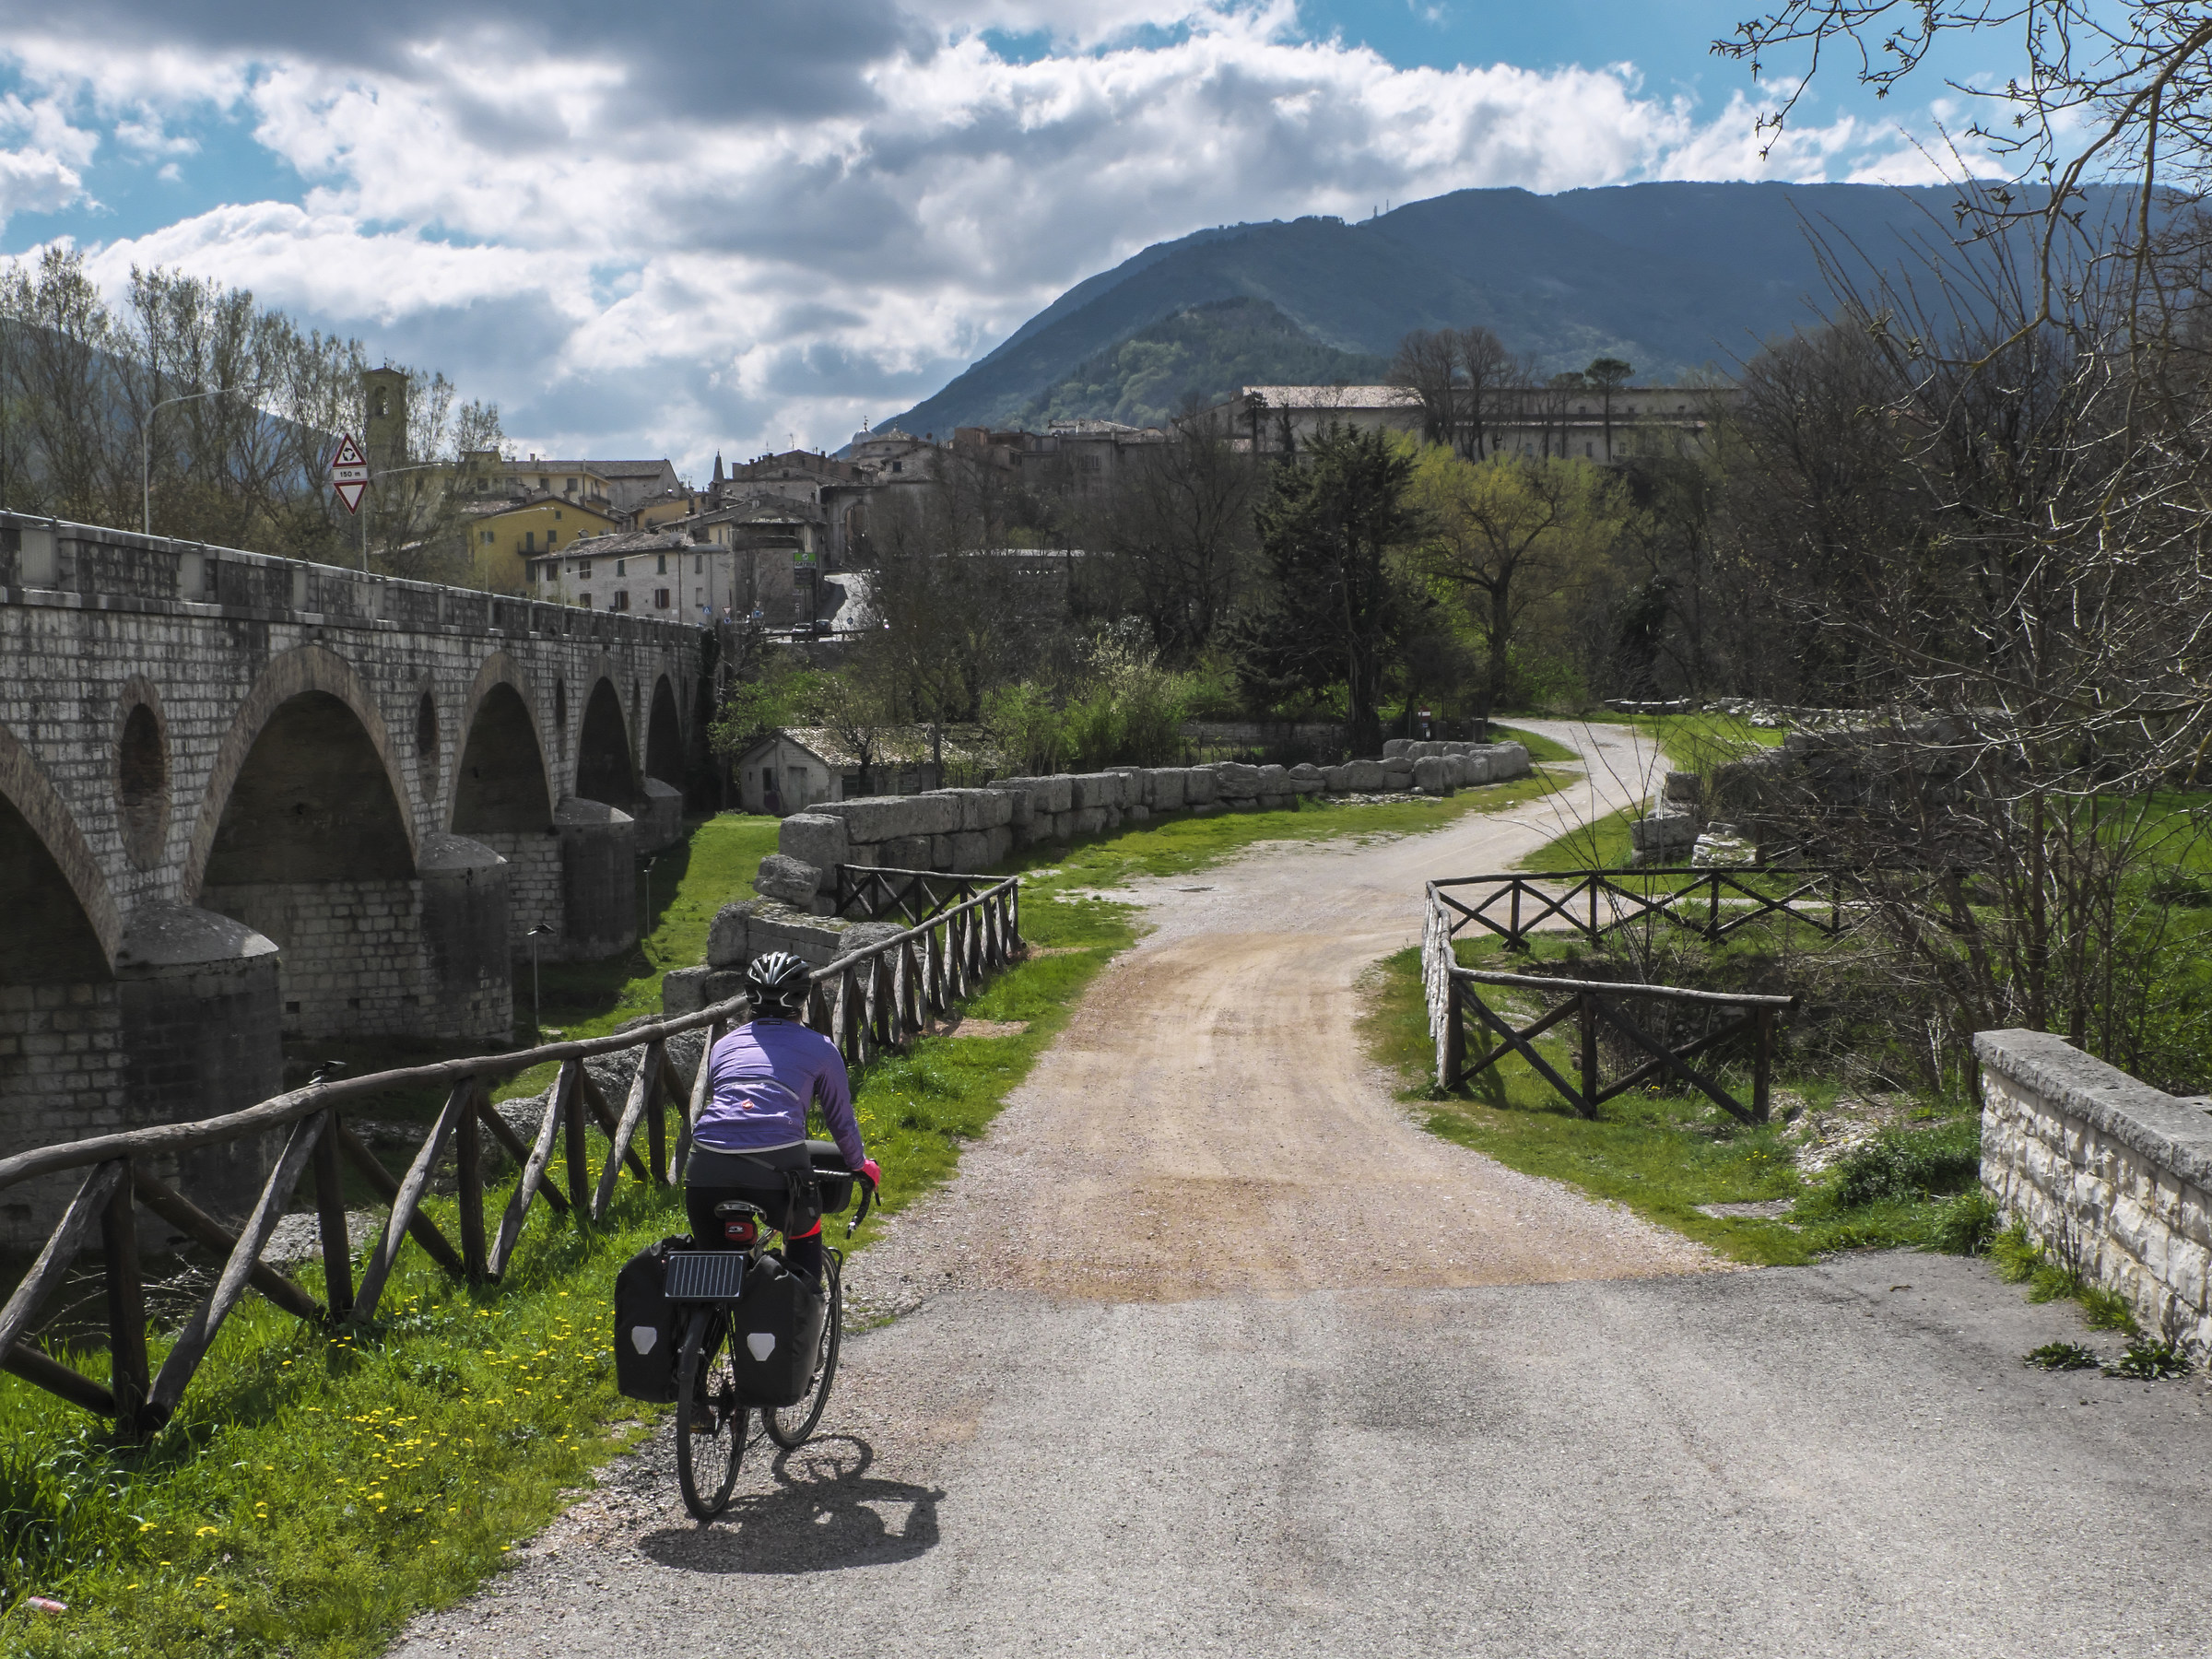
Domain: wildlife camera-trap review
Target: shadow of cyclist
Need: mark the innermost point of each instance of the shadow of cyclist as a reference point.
(823, 1513)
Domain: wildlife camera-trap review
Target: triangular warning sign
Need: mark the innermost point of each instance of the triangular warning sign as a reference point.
(350, 472)
(350, 453)
(351, 492)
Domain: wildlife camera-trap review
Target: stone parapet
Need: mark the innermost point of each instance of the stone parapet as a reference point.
(2110, 1175)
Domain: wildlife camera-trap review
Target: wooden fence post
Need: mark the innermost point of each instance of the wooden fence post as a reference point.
(1588, 1011)
(129, 1377)
(330, 1212)
(469, 1167)
(576, 1152)
(1762, 1063)
(1452, 1042)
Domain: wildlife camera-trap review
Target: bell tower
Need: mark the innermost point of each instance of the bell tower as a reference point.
(384, 417)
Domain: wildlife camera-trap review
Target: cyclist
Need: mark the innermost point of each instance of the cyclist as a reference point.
(750, 1139)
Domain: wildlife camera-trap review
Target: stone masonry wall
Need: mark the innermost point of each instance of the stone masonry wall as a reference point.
(532, 885)
(63, 1074)
(2108, 1174)
(353, 961)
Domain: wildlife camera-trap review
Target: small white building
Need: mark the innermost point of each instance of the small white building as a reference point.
(789, 771)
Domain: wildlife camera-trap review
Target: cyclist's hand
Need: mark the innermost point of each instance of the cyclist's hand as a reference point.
(873, 1171)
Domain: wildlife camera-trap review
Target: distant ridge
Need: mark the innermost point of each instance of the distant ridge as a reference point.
(1673, 278)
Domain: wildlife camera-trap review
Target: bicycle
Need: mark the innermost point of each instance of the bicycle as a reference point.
(712, 1436)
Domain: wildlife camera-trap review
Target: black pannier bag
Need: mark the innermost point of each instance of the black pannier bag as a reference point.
(830, 1176)
(773, 1334)
(646, 1325)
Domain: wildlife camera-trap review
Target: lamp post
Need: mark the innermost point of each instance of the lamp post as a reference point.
(146, 454)
(540, 931)
(645, 921)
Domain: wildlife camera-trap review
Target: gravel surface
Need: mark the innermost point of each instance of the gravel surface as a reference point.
(1208, 1349)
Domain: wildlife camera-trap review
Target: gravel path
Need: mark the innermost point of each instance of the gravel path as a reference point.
(1208, 1348)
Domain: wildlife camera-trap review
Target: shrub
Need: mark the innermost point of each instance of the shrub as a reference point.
(1912, 1163)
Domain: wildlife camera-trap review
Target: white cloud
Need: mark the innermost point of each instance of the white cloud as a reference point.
(723, 270)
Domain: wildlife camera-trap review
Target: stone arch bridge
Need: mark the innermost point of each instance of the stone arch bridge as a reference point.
(245, 798)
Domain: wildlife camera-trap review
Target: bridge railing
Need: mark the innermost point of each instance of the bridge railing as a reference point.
(1471, 1035)
(866, 1002)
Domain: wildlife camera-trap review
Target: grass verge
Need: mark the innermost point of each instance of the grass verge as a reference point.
(1666, 1155)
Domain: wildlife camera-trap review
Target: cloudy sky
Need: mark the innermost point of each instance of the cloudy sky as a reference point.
(678, 227)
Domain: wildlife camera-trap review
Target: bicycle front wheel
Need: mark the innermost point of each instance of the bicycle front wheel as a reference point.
(789, 1426)
(709, 1430)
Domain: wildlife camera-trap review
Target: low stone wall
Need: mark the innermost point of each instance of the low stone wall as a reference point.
(2108, 1174)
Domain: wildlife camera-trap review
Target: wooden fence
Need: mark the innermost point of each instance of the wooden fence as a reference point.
(1712, 902)
(1458, 1010)
(867, 892)
(866, 1002)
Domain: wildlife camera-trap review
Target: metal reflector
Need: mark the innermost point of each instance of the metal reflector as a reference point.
(705, 1274)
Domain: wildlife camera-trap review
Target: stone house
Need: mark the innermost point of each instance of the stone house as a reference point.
(792, 769)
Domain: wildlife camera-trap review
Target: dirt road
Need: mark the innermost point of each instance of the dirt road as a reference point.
(1211, 1351)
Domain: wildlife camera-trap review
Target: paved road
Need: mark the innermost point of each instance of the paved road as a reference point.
(1393, 1393)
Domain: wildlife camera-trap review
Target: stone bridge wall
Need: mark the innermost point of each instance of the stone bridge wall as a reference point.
(242, 796)
(2109, 1174)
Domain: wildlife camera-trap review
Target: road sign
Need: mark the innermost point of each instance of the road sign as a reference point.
(349, 473)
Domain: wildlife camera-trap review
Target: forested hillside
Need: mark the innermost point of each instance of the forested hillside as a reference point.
(1199, 355)
(1668, 278)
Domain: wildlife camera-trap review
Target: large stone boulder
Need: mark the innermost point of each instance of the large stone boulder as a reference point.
(971, 850)
(687, 990)
(907, 852)
(1305, 778)
(999, 846)
(1364, 777)
(790, 879)
(1201, 786)
(1096, 790)
(873, 818)
(1396, 747)
(1432, 775)
(1169, 786)
(1399, 770)
(1088, 820)
(1663, 838)
(815, 838)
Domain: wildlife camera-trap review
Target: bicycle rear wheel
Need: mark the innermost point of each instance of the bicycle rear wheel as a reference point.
(709, 1430)
(789, 1426)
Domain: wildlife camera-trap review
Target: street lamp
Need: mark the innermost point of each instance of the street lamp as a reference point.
(536, 934)
(146, 454)
(645, 921)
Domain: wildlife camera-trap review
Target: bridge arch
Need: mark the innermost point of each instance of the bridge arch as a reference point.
(664, 736)
(606, 768)
(501, 781)
(365, 768)
(58, 904)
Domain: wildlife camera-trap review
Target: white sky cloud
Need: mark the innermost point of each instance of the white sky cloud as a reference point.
(626, 258)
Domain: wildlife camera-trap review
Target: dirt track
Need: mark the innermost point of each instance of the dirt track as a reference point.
(1208, 1124)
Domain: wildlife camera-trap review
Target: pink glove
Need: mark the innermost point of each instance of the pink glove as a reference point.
(873, 1171)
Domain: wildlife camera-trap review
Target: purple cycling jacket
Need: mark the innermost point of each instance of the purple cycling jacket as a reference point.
(760, 1079)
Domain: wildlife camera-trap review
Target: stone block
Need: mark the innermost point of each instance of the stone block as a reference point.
(972, 851)
(1365, 777)
(1474, 766)
(813, 940)
(1054, 795)
(1200, 786)
(936, 812)
(1432, 775)
(1395, 747)
(1275, 779)
(860, 936)
(873, 818)
(815, 838)
(687, 990)
(1170, 784)
(788, 878)
(1305, 778)
(1236, 781)
(1682, 788)
(1063, 825)
(726, 935)
(999, 845)
(1088, 820)
(1278, 803)
(906, 852)
(940, 851)
(1399, 767)
(1094, 789)
(997, 807)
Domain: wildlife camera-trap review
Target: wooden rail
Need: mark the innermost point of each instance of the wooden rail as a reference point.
(870, 893)
(1458, 1009)
(1712, 902)
(867, 1001)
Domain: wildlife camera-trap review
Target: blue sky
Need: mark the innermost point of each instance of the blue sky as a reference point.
(727, 222)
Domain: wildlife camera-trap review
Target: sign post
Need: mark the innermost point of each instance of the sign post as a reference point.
(349, 477)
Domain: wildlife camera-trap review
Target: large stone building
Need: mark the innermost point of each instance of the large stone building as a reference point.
(1579, 422)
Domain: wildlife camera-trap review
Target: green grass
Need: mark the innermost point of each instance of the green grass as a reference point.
(2020, 1261)
(1541, 749)
(1600, 845)
(1664, 1154)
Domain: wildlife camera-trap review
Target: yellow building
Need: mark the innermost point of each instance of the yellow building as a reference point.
(503, 538)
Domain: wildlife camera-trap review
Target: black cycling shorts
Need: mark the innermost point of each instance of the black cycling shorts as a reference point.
(762, 1179)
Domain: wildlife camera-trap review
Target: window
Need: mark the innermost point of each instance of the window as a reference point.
(664, 569)
(699, 564)
(583, 569)
(1590, 451)
(487, 537)
(584, 600)
(898, 466)
(660, 599)
(621, 567)
(550, 541)
(556, 513)
(529, 541)
(569, 485)
(622, 600)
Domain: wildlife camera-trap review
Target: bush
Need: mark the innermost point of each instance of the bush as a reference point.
(1912, 1163)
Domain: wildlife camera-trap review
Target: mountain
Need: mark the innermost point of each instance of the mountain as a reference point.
(1203, 352)
(1672, 278)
